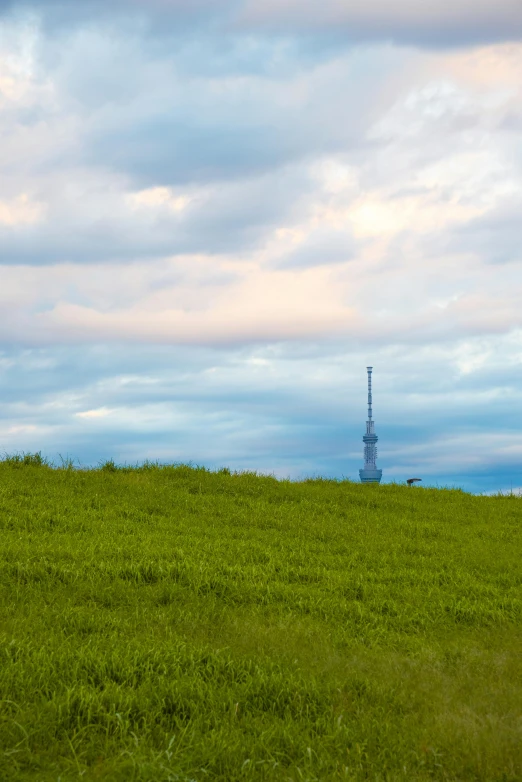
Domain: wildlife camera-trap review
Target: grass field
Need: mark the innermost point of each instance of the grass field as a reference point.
(168, 623)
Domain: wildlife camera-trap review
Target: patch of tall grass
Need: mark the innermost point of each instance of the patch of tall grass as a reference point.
(171, 623)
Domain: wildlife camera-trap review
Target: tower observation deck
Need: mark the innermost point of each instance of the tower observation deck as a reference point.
(370, 473)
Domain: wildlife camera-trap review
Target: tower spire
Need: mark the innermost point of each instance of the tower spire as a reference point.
(369, 370)
(370, 473)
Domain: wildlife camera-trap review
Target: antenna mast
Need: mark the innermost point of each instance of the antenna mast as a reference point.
(369, 370)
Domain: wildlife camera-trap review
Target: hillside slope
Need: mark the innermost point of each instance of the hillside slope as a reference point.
(175, 624)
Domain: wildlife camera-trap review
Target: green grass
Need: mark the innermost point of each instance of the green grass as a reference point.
(168, 623)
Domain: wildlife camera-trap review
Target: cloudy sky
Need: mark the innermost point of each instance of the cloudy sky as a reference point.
(214, 214)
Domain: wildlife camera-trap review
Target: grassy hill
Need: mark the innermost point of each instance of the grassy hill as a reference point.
(168, 623)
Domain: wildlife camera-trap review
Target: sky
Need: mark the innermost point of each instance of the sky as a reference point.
(215, 214)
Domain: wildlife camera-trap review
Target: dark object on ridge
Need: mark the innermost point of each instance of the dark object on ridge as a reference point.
(411, 481)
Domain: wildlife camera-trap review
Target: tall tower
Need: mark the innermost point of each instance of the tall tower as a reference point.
(370, 473)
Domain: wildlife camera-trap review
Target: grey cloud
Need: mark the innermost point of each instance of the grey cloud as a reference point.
(177, 152)
(241, 146)
(493, 237)
(63, 13)
(120, 102)
(88, 243)
(137, 115)
(512, 122)
(99, 228)
(242, 216)
(323, 247)
(440, 24)
(203, 130)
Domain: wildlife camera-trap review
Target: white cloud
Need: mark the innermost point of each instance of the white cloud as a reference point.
(101, 412)
(154, 197)
(21, 211)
